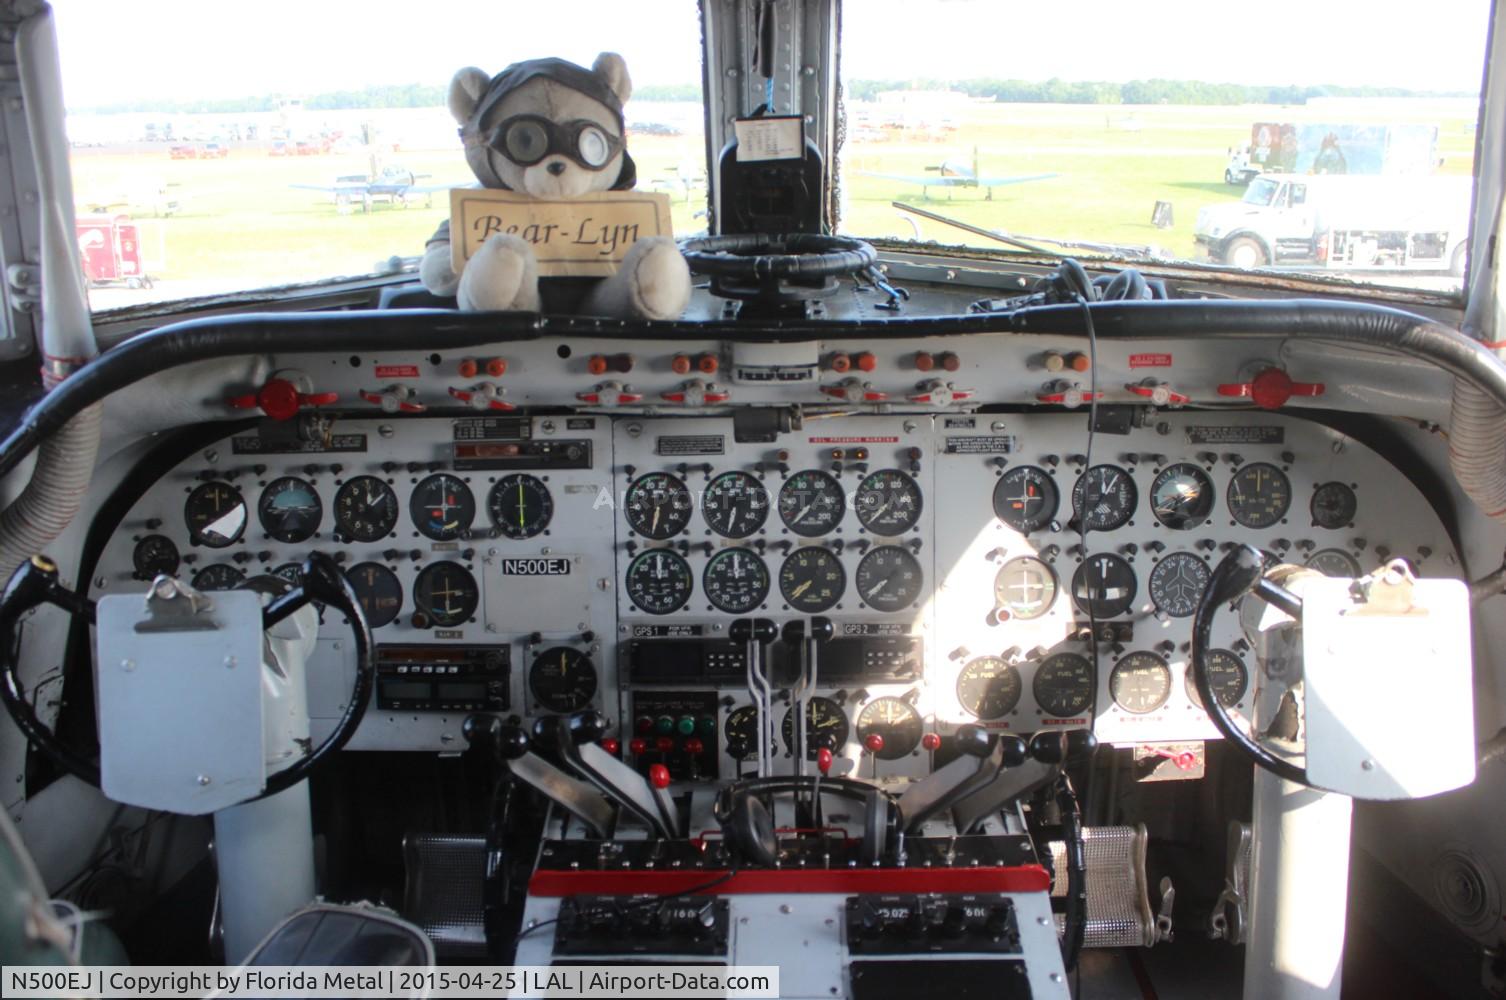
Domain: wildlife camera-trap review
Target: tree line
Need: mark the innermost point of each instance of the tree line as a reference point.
(1052, 91)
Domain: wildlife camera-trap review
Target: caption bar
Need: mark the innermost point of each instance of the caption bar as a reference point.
(346, 981)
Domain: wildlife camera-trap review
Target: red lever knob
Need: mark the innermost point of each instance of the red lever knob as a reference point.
(949, 361)
(679, 364)
(695, 746)
(839, 363)
(468, 368)
(496, 367)
(866, 362)
(664, 744)
(639, 747)
(658, 776)
(874, 742)
(931, 741)
(708, 364)
(823, 760)
(924, 362)
(280, 399)
(611, 746)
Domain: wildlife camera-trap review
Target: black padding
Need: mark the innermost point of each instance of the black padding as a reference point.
(341, 937)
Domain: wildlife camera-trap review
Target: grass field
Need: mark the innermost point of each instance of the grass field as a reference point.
(241, 224)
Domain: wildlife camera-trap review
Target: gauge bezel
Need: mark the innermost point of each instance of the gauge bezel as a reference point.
(1351, 564)
(1206, 501)
(150, 573)
(1052, 588)
(787, 727)
(711, 501)
(1050, 503)
(1121, 605)
(1214, 656)
(830, 560)
(1055, 663)
(466, 505)
(198, 577)
(1186, 609)
(374, 617)
(1140, 660)
(421, 604)
(1239, 506)
(270, 491)
(551, 700)
(1014, 684)
(889, 605)
(680, 570)
(536, 487)
(712, 588)
(1351, 504)
(825, 486)
(1118, 515)
(388, 502)
(195, 535)
(678, 502)
(893, 749)
(865, 511)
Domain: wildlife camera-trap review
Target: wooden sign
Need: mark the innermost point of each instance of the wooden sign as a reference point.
(587, 235)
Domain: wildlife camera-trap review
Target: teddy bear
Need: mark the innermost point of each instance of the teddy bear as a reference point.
(552, 129)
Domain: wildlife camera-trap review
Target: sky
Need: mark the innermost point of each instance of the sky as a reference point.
(116, 51)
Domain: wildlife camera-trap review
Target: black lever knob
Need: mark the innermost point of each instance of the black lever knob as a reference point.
(753, 630)
(587, 727)
(1015, 750)
(974, 741)
(793, 631)
(822, 629)
(482, 731)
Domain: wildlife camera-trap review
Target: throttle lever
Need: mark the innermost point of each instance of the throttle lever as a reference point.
(512, 749)
(979, 762)
(614, 779)
(1032, 766)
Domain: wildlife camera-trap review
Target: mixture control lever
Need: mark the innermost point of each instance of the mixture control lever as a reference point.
(981, 756)
(513, 750)
(574, 738)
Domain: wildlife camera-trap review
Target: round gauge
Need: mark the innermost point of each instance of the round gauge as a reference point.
(988, 687)
(1259, 495)
(562, 679)
(290, 509)
(1104, 498)
(378, 590)
(1140, 683)
(442, 507)
(1181, 496)
(154, 555)
(812, 579)
(446, 594)
(365, 509)
(217, 576)
(659, 581)
(1026, 586)
(1177, 583)
(520, 505)
(741, 729)
(657, 505)
(1026, 498)
(887, 502)
(896, 721)
(1334, 506)
(1104, 586)
(735, 505)
(889, 578)
(291, 572)
(810, 503)
(1063, 685)
(1334, 562)
(736, 581)
(216, 515)
(825, 726)
(1227, 676)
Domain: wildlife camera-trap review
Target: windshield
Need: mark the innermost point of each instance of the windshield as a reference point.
(1260, 192)
(1135, 136)
(221, 148)
(224, 149)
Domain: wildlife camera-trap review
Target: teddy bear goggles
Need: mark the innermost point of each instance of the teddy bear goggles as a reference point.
(527, 139)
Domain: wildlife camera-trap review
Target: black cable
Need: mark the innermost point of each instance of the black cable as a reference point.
(1087, 460)
(1075, 855)
(618, 909)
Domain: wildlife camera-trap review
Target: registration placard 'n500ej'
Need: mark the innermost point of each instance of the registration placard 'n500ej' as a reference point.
(536, 566)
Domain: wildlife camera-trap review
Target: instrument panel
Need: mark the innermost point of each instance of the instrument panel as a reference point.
(976, 568)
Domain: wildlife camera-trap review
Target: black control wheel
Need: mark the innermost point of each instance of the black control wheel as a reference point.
(35, 582)
(776, 269)
(1242, 572)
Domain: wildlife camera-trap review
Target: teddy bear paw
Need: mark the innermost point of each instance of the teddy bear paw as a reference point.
(502, 275)
(660, 278)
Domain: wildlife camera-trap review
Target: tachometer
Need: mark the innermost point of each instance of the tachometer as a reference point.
(1226, 675)
(1026, 498)
(887, 502)
(657, 505)
(735, 581)
(562, 679)
(659, 581)
(1259, 495)
(217, 576)
(153, 555)
(741, 729)
(1334, 506)
(896, 722)
(216, 515)
(378, 590)
(365, 509)
(442, 507)
(1334, 562)
(889, 578)
(1177, 582)
(989, 688)
(1104, 498)
(811, 503)
(1026, 587)
(825, 726)
(735, 505)
(811, 579)
(290, 509)
(1181, 496)
(520, 505)
(445, 594)
(1104, 586)
(1063, 685)
(1140, 683)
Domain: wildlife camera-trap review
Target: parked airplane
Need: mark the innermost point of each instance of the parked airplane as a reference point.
(954, 172)
(392, 184)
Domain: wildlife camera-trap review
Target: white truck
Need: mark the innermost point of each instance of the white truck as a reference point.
(1341, 222)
